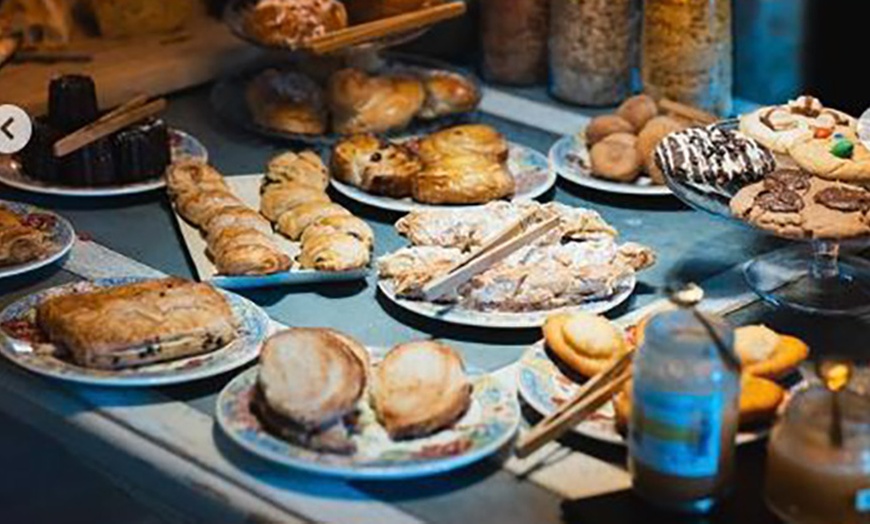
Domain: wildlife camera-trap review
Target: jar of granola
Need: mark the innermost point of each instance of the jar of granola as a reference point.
(687, 52)
(514, 34)
(593, 50)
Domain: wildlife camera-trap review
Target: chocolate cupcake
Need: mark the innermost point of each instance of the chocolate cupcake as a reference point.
(141, 151)
(72, 102)
(713, 160)
(37, 158)
(92, 165)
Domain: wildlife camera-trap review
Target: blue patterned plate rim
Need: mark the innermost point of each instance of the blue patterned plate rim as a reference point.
(63, 237)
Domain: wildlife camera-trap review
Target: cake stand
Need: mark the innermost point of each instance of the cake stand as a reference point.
(814, 277)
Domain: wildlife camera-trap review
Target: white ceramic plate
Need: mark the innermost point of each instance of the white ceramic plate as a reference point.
(570, 158)
(183, 146)
(528, 167)
(62, 236)
(498, 319)
(489, 424)
(544, 387)
(247, 188)
(864, 129)
(255, 326)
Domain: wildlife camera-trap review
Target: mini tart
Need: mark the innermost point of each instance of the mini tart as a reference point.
(586, 359)
(759, 400)
(767, 354)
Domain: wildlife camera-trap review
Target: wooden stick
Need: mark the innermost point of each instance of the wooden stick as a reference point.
(136, 101)
(384, 27)
(484, 259)
(692, 113)
(588, 399)
(106, 126)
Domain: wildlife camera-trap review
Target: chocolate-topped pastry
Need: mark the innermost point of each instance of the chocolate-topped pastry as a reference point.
(92, 165)
(789, 179)
(780, 201)
(141, 151)
(713, 160)
(37, 158)
(846, 199)
(72, 102)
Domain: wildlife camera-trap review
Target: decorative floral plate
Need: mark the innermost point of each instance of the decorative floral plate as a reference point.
(44, 358)
(569, 157)
(530, 169)
(184, 146)
(489, 424)
(60, 231)
(544, 387)
(456, 314)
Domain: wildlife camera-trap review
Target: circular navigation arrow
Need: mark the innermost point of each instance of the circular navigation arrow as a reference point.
(15, 129)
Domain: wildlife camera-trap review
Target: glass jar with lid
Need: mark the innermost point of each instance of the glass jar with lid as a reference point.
(514, 38)
(685, 396)
(686, 52)
(811, 480)
(593, 50)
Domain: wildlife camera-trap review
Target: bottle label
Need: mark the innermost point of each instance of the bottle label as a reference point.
(862, 501)
(676, 433)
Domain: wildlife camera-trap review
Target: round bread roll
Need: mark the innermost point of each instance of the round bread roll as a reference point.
(638, 110)
(602, 126)
(649, 137)
(616, 158)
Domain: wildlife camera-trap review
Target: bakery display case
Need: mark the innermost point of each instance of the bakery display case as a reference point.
(270, 260)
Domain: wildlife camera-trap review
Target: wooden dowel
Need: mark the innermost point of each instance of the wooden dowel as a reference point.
(384, 27)
(106, 126)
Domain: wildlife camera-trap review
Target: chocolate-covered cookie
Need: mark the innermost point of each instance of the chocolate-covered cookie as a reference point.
(713, 160)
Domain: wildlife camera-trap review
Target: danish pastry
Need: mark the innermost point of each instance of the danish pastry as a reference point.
(464, 140)
(375, 166)
(462, 179)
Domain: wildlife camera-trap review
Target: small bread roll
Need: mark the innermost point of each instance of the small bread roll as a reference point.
(602, 126)
(638, 110)
(294, 222)
(278, 199)
(616, 158)
(650, 136)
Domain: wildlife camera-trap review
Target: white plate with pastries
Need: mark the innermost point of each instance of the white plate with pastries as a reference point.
(246, 202)
(358, 428)
(50, 334)
(455, 167)
(569, 157)
(40, 236)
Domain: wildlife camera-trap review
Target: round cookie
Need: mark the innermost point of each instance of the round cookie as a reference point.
(759, 400)
(817, 156)
(638, 110)
(602, 126)
(616, 158)
(775, 127)
(577, 358)
(767, 354)
(647, 140)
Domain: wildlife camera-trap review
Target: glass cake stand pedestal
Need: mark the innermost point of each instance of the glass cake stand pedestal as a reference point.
(814, 278)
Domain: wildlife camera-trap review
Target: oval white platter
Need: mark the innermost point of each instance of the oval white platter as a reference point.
(456, 314)
(184, 146)
(41, 359)
(529, 168)
(569, 157)
(63, 237)
(489, 424)
(544, 387)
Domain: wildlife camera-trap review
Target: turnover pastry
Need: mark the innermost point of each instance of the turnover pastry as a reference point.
(291, 22)
(304, 168)
(375, 166)
(309, 385)
(584, 342)
(767, 354)
(462, 179)
(287, 101)
(420, 388)
(780, 127)
(361, 103)
(140, 323)
(19, 241)
(294, 222)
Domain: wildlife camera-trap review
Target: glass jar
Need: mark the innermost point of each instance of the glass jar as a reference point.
(593, 50)
(811, 481)
(687, 52)
(683, 424)
(514, 35)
